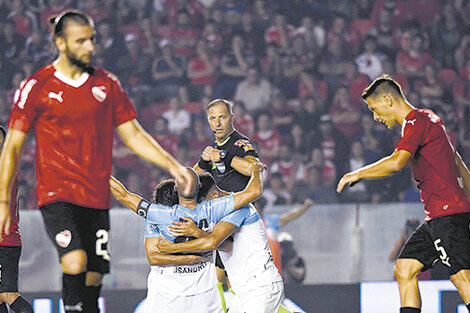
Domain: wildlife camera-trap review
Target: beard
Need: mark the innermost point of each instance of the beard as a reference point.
(84, 66)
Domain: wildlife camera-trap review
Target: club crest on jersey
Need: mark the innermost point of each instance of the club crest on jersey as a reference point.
(99, 92)
(244, 144)
(220, 167)
(64, 238)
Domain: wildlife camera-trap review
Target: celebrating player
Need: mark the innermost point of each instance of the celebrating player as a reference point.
(253, 276)
(10, 252)
(73, 109)
(444, 181)
(188, 288)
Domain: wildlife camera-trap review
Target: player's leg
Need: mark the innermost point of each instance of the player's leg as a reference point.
(94, 229)
(61, 226)
(220, 270)
(461, 280)
(9, 265)
(418, 254)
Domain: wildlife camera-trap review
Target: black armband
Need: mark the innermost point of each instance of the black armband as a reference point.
(204, 165)
(142, 208)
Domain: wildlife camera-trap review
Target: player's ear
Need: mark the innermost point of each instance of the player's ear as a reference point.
(387, 99)
(60, 43)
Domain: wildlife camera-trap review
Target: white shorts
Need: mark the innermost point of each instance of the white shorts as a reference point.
(206, 302)
(263, 299)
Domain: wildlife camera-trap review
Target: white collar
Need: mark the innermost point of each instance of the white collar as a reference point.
(72, 82)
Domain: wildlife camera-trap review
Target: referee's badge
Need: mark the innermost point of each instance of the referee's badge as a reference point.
(220, 167)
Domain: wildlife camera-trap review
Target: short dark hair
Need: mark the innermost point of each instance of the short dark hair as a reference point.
(227, 104)
(3, 132)
(207, 183)
(60, 21)
(165, 193)
(383, 84)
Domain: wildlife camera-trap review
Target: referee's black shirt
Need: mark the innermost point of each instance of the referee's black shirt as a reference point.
(226, 177)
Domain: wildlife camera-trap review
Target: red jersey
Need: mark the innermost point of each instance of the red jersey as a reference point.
(433, 164)
(73, 121)
(14, 238)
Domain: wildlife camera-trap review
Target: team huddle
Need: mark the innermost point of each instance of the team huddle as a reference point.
(204, 213)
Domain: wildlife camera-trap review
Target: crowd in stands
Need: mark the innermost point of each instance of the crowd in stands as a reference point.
(294, 70)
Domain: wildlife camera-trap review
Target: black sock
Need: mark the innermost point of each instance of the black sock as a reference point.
(73, 292)
(92, 295)
(3, 308)
(410, 310)
(21, 305)
(468, 307)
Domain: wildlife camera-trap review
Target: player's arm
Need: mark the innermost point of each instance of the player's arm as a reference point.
(254, 188)
(464, 173)
(9, 160)
(136, 138)
(212, 241)
(198, 169)
(383, 167)
(240, 164)
(155, 257)
(123, 195)
(293, 214)
(186, 228)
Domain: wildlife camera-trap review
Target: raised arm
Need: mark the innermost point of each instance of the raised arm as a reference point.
(383, 167)
(254, 188)
(292, 214)
(154, 257)
(136, 138)
(123, 195)
(210, 242)
(9, 160)
(464, 173)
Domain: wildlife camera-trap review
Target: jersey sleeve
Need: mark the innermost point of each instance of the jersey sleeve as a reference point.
(243, 147)
(236, 218)
(24, 112)
(220, 207)
(158, 214)
(123, 110)
(413, 134)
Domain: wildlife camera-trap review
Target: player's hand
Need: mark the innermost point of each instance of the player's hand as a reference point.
(117, 189)
(349, 178)
(187, 228)
(5, 219)
(164, 245)
(308, 202)
(257, 167)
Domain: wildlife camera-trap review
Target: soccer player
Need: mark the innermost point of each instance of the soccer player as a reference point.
(253, 276)
(73, 109)
(444, 181)
(186, 288)
(10, 252)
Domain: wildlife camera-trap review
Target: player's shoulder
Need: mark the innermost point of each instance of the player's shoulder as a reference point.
(101, 73)
(42, 75)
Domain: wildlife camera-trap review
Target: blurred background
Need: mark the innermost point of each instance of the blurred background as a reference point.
(295, 71)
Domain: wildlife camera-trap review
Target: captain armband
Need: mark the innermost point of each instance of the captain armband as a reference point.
(142, 208)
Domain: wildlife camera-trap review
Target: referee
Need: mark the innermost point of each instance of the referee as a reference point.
(228, 160)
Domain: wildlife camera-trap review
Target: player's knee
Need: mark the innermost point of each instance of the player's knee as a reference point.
(93, 279)
(74, 262)
(405, 270)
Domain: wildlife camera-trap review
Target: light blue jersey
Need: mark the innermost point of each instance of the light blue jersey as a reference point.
(185, 280)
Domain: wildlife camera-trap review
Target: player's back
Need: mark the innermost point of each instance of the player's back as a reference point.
(434, 166)
(250, 256)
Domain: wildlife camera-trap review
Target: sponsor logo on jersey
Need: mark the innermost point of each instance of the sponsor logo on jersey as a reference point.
(64, 238)
(25, 92)
(153, 226)
(189, 269)
(244, 144)
(412, 122)
(77, 307)
(56, 96)
(99, 92)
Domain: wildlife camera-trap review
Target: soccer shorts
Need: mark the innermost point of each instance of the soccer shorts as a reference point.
(9, 260)
(262, 299)
(205, 302)
(445, 239)
(71, 227)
